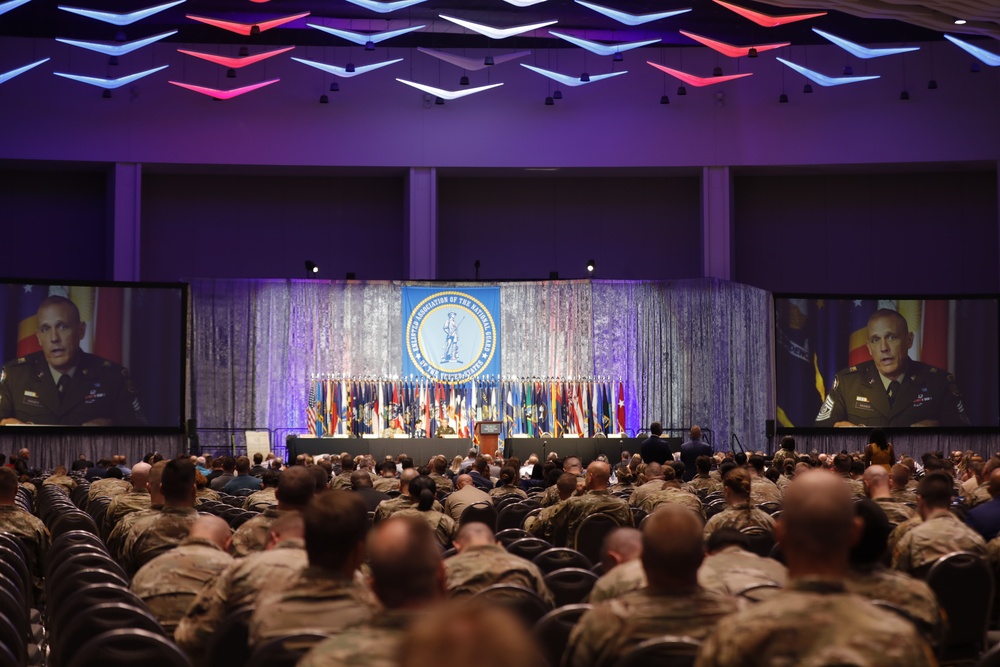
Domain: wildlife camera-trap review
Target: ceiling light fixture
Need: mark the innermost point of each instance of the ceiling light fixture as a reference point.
(698, 81)
(570, 80)
(7, 76)
(824, 80)
(12, 4)
(115, 18)
(497, 33)
(733, 51)
(116, 49)
(219, 94)
(603, 49)
(768, 20)
(984, 56)
(362, 39)
(110, 84)
(443, 94)
(385, 7)
(630, 19)
(349, 71)
(311, 268)
(236, 63)
(863, 51)
(249, 29)
(472, 64)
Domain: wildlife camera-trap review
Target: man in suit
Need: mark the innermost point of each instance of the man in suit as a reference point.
(985, 518)
(654, 448)
(691, 450)
(892, 389)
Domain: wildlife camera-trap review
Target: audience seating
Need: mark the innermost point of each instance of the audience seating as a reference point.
(590, 535)
(714, 507)
(228, 646)
(128, 647)
(963, 583)
(482, 512)
(508, 535)
(552, 630)
(504, 501)
(284, 651)
(512, 516)
(570, 585)
(558, 558)
(667, 651)
(758, 592)
(528, 547)
(59, 590)
(761, 540)
(73, 520)
(770, 507)
(526, 604)
(87, 596)
(97, 619)
(13, 652)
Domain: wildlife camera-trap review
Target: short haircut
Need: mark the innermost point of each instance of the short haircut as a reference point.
(566, 483)
(387, 466)
(935, 490)
(228, 463)
(177, 480)
(295, 487)
(757, 462)
(788, 443)
(336, 522)
(726, 467)
(656, 428)
(115, 472)
(347, 463)
(703, 464)
(258, 458)
(695, 432)
(842, 463)
(8, 483)
(242, 465)
(320, 477)
(56, 300)
(360, 480)
(405, 558)
(740, 458)
(888, 312)
(439, 464)
(269, 478)
(875, 529)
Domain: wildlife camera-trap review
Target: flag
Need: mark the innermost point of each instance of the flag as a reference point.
(311, 404)
(542, 407)
(529, 409)
(620, 410)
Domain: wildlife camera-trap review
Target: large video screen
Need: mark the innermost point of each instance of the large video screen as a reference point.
(94, 355)
(895, 363)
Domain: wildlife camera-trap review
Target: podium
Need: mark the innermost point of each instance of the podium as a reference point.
(488, 435)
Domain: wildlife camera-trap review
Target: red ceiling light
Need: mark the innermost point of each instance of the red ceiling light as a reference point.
(698, 81)
(220, 94)
(235, 63)
(767, 20)
(247, 28)
(729, 49)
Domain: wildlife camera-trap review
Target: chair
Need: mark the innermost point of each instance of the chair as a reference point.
(928, 632)
(509, 499)
(552, 630)
(512, 516)
(508, 535)
(87, 560)
(72, 551)
(570, 585)
(770, 507)
(668, 651)
(528, 547)
(101, 618)
(284, 651)
(482, 512)
(12, 649)
(60, 590)
(758, 592)
(991, 658)
(240, 519)
(558, 558)
(590, 535)
(638, 514)
(229, 645)
(714, 507)
(128, 647)
(963, 583)
(243, 493)
(74, 520)
(761, 540)
(88, 596)
(525, 604)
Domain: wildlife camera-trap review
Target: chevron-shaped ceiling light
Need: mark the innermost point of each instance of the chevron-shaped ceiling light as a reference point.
(235, 63)
(343, 72)
(572, 81)
(729, 49)
(863, 51)
(497, 33)
(385, 7)
(824, 80)
(698, 81)
(220, 94)
(984, 56)
(115, 49)
(7, 76)
(516, 3)
(120, 19)
(630, 19)
(448, 94)
(11, 4)
(363, 38)
(766, 20)
(603, 49)
(472, 64)
(247, 28)
(111, 84)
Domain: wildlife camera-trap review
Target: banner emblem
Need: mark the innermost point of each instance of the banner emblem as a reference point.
(451, 335)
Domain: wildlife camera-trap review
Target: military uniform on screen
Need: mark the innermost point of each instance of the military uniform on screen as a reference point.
(99, 389)
(925, 393)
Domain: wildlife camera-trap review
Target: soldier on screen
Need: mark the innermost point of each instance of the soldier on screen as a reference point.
(62, 384)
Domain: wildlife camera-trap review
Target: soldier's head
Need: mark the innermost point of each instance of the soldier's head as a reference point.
(934, 493)
(842, 464)
(288, 526)
(335, 526)
(573, 465)
(621, 545)
(899, 476)
(177, 483)
(360, 480)
(654, 471)
(347, 463)
(672, 549)
(656, 428)
(472, 534)
(695, 432)
(59, 332)
(874, 538)
(405, 560)
(242, 466)
(213, 529)
(817, 527)
(422, 490)
(994, 483)
(598, 476)
(876, 480)
(8, 486)
(463, 481)
(153, 482)
(736, 486)
(889, 341)
(566, 485)
(703, 464)
(296, 488)
(408, 476)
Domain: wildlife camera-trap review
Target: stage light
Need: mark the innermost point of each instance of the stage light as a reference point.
(439, 101)
(717, 71)
(808, 88)
(752, 52)
(230, 73)
(585, 77)
(557, 94)
(244, 51)
(370, 45)
(113, 61)
(324, 99)
(591, 265)
(254, 30)
(311, 268)
(553, 275)
(904, 96)
(350, 275)
(664, 99)
(681, 90)
(960, 21)
(464, 81)
(932, 85)
(334, 87)
(488, 61)
(848, 70)
(106, 94)
(549, 102)
(618, 57)
(783, 99)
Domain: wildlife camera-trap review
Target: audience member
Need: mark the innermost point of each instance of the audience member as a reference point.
(481, 562)
(296, 488)
(560, 526)
(466, 494)
(621, 562)
(738, 513)
(243, 480)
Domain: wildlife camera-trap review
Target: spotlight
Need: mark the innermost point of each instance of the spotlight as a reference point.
(244, 51)
(618, 57)
(808, 88)
(664, 99)
(553, 275)
(932, 85)
(113, 61)
(848, 70)
(323, 99)
(464, 81)
(585, 77)
(311, 268)
(717, 71)
(905, 95)
(960, 21)
(783, 99)
(349, 67)
(231, 73)
(591, 265)
(488, 61)
(549, 101)
(752, 52)
(106, 94)
(369, 45)
(681, 90)
(557, 94)
(438, 101)
(334, 87)
(350, 276)
(254, 30)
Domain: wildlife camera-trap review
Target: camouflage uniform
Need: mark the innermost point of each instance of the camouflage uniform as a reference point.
(739, 517)
(263, 497)
(896, 512)
(341, 481)
(253, 535)
(64, 482)
(109, 487)
(550, 497)
(622, 579)
(376, 644)
(781, 456)
(444, 485)
(239, 585)
(155, 533)
(504, 491)
(315, 601)
(856, 486)
(444, 526)
(935, 537)
(706, 484)
(611, 628)
(640, 493)
(902, 529)
(124, 504)
(566, 517)
(169, 583)
(902, 590)
(386, 484)
(979, 496)
(730, 570)
(479, 566)
(815, 622)
(30, 530)
(206, 494)
(763, 490)
(387, 508)
(675, 496)
(783, 483)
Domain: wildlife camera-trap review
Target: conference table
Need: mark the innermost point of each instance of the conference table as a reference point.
(418, 449)
(587, 449)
